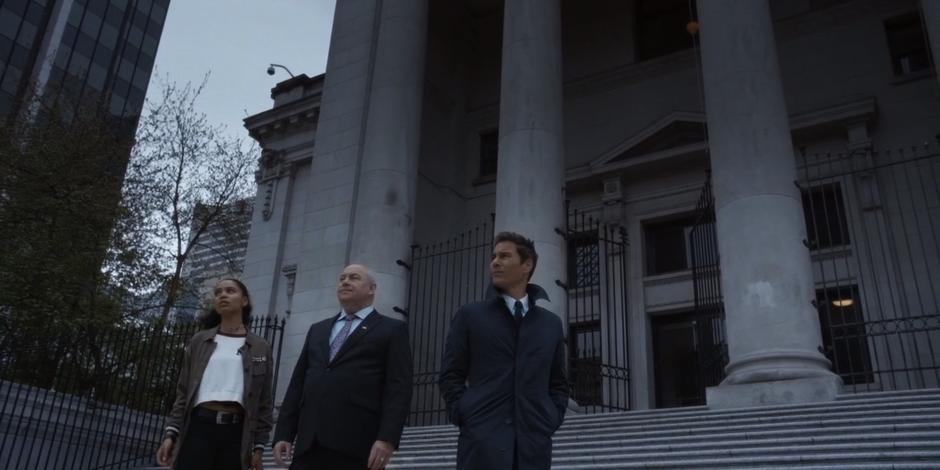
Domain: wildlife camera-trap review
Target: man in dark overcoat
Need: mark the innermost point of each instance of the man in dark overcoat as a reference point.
(503, 372)
(350, 393)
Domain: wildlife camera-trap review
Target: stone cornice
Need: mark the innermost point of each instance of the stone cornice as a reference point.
(297, 114)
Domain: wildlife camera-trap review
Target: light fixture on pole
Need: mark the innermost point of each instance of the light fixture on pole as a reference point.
(271, 69)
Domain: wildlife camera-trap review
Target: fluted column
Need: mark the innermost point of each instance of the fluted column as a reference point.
(766, 274)
(382, 226)
(530, 178)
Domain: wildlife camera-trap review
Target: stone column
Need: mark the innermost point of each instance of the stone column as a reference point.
(385, 190)
(766, 275)
(530, 180)
(931, 12)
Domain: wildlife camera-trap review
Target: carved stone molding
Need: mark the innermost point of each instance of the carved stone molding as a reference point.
(290, 273)
(272, 166)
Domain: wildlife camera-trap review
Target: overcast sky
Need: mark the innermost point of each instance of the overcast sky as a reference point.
(235, 40)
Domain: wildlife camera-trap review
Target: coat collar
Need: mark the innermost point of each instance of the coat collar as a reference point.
(534, 291)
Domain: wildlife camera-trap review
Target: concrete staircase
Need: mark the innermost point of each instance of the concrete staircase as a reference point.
(899, 430)
(884, 430)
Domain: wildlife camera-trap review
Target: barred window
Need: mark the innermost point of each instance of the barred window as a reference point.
(824, 212)
(584, 362)
(583, 260)
(843, 333)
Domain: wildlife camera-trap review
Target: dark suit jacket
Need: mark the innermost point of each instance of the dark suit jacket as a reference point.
(363, 395)
(502, 388)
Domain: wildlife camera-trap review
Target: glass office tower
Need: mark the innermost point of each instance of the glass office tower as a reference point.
(94, 52)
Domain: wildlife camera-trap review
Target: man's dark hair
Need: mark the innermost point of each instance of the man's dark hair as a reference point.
(524, 246)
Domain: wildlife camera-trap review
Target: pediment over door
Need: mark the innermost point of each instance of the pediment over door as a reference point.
(673, 134)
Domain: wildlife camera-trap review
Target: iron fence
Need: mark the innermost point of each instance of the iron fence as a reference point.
(454, 272)
(96, 400)
(598, 343)
(444, 276)
(709, 324)
(873, 219)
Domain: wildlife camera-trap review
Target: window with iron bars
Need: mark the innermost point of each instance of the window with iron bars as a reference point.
(824, 212)
(583, 260)
(584, 362)
(843, 333)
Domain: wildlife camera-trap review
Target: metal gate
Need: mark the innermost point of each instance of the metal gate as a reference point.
(873, 231)
(711, 347)
(444, 276)
(454, 272)
(598, 359)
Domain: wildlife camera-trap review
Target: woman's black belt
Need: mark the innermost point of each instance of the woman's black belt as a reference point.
(217, 417)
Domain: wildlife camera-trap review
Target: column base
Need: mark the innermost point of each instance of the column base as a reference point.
(778, 392)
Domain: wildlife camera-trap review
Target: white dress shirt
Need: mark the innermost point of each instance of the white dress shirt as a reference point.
(341, 321)
(511, 303)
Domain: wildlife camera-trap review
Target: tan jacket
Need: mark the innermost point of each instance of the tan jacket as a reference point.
(256, 398)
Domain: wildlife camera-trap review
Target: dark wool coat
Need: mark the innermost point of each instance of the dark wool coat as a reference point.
(362, 395)
(505, 388)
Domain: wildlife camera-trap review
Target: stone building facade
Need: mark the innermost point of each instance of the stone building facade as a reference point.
(759, 181)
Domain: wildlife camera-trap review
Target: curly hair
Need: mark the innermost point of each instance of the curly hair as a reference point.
(212, 319)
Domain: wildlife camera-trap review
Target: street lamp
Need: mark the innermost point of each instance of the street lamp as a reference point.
(271, 69)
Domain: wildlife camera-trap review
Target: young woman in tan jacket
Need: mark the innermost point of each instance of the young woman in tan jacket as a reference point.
(222, 416)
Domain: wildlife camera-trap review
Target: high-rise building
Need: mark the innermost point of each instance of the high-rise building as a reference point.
(97, 52)
(59, 59)
(219, 241)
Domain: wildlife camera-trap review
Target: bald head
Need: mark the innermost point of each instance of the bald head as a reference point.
(356, 288)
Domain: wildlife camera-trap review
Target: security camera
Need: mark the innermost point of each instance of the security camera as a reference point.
(270, 70)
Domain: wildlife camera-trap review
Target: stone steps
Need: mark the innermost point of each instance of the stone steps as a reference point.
(913, 417)
(858, 431)
(693, 414)
(866, 431)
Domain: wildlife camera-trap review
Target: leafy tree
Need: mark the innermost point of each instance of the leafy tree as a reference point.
(59, 183)
(184, 177)
(97, 225)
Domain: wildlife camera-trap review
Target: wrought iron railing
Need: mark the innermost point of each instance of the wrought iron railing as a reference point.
(873, 230)
(598, 343)
(444, 276)
(711, 346)
(454, 272)
(95, 401)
